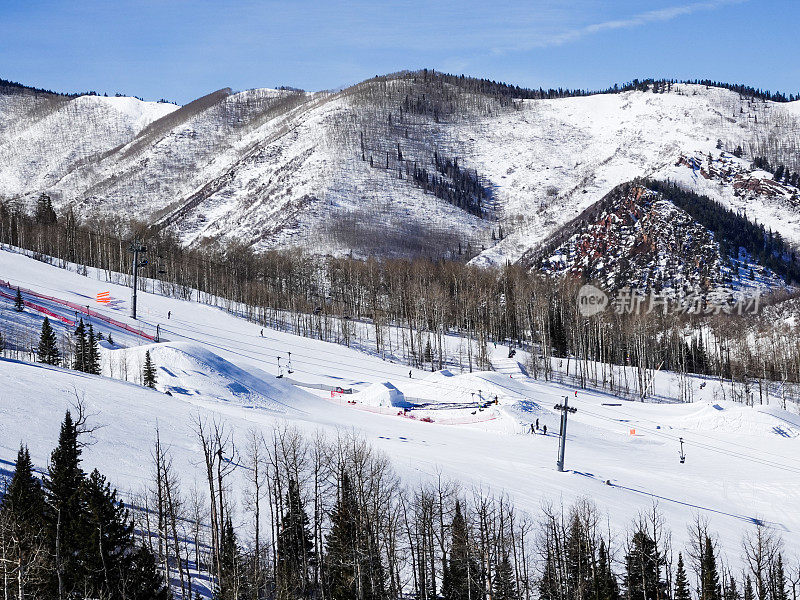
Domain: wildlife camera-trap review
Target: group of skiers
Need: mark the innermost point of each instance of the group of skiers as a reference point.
(535, 428)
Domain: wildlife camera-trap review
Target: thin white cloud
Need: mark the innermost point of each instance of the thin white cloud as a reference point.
(639, 20)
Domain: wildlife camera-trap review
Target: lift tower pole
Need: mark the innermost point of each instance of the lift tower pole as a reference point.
(137, 248)
(565, 410)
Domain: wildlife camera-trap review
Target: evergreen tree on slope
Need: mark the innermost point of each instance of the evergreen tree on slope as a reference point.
(643, 568)
(505, 585)
(64, 507)
(92, 353)
(295, 548)
(79, 361)
(149, 371)
(461, 582)
(22, 528)
(48, 346)
(682, 591)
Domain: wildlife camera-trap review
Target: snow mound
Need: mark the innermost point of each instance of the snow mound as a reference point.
(382, 394)
(192, 372)
(733, 417)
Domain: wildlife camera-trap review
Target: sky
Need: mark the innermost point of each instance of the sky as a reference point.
(180, 50)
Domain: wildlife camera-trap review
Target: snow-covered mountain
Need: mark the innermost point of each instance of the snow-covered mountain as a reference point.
(407, 164)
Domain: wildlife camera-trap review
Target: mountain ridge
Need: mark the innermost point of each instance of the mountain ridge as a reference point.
(415, 163)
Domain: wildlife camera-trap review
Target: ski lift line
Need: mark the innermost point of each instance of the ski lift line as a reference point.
(656, 432)
(707, 446)
(704, 508)
(735, 444)
(277, 341)
(661, 432)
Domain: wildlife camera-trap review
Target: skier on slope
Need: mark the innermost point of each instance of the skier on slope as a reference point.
(169, 314)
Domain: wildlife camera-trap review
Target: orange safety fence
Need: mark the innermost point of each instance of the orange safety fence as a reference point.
(40, 309)
(81, 310)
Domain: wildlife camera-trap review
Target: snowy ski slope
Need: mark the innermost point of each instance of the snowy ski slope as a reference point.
(742, 463)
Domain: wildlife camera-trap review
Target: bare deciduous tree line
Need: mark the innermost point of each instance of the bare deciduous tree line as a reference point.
(399, 308)
(308, 515)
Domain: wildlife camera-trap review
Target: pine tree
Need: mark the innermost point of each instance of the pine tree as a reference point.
(341, 545)
(109, 537)
(428, 354)
(90, 532)
(504, 584)
(64, 507)
(709, 577)
(578, 561)
(92, 353)
(682, 591)
(295, 548)
(142, 579)
(149, 371)
(731, 590)
(22, 524)
(748, 589)
(461, 582)
(643, 567)
(354, 565)
(230, 559)
(777, 583)
(45, 215)
(19, 305)
(607, 585)
(549, 588)
(79, 362)
(48, 347)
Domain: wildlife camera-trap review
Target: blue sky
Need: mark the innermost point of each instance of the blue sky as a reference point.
(180, 50)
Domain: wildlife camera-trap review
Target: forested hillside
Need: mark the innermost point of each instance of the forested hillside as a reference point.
(411, 164)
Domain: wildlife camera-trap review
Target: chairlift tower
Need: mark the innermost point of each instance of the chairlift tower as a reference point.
(565, 410)
(137, 248)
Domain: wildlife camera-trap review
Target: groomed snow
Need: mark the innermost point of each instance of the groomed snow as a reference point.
(742, 463)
